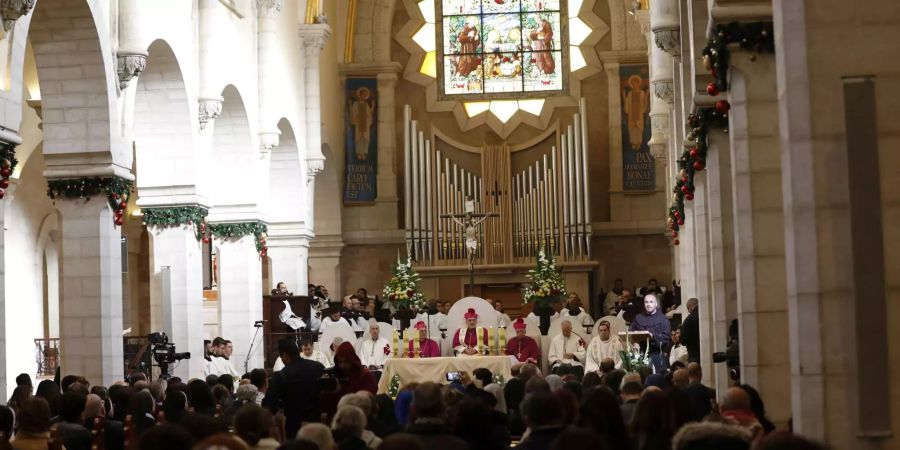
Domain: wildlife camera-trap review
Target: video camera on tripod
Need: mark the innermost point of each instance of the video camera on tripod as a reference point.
(163, 352)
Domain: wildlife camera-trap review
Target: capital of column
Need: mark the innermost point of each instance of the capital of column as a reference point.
(129, 64)
(268, 141)
(665, 25)
(268, 8)
(12, 10)
(659, 135)
(664, 90)
(209, 109)
(314, 36)
(315, 164)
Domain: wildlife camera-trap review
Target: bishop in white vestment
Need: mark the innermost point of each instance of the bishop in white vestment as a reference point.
(567, 350)
(374, 351)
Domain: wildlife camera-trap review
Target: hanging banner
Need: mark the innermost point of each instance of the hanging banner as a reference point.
(361, 153)
(638, 171)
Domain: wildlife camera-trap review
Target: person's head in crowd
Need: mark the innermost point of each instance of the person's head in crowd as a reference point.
(200, 397)
(260, 379)
(175, 406)
(222, 397)
(335, 343)
(401, 441)
(355, 303)
(680, 378)
(607, 365)
(695, 373)
(346, 360)
(678, 365)
(537, 384)
(651, 304)
(72, 406)
(226, 380)
(202, 426)
(600, 413)
(67, 381)
(319, 434)
(653, 415)
(692, 305)
(471, 318)
(23, 380)
(169, 437)
(141, 404)
(103, 393)
(247, 393)
(613, 380)
(298, 444)
(527, 372)
(627, 295)
(484, 376)
(228, 349)
(631, 391)
(756, 403)
(287, 350)
(421, 331)
(158, 390)
(93, 409)
(6, 423)
(652, 284)
(590, 381)
(349, 421)
(676, 335)
(334, 313)
(603, 330)
(306, 346)
(568, 400)
(427, 401)
(252, 423)
(132, 379)
(554, 381)
(713, 436)
(541, 409)
(578, 438)
(618, 285)
(656, 380)
(573, 302)
(311, 290)
(33, 417)
(79, 388)
(120, 397)
(361, 400)
(222, 441)
(212, 379)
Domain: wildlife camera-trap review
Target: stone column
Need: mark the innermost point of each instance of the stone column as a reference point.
(209, 99)
(313, 37)
(699, 229)
(325, 262)
(759, 232)
(240, 298)
(267, 55)
(91, 293)
(176, 293)
(289, 256)
(387, 142)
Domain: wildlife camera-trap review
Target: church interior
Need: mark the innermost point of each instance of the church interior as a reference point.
(248, 169)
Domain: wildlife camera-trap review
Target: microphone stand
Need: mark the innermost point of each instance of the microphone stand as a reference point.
(256, 325)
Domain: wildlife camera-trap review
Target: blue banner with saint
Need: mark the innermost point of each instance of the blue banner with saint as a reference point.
(361, 153)
(638, 170)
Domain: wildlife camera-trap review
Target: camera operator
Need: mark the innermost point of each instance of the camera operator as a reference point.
(731, 356)
(295, 388)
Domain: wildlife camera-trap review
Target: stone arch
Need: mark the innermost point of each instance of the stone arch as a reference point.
(163, 129)
(47, 253)
(286, 201)
(233, 157)
(78, 85)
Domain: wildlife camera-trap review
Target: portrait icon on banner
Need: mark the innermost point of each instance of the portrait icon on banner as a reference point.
(361, 153)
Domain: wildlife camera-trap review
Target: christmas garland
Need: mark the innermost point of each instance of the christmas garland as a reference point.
(8, 163)
(693, 160)
(394, 387)
(179, 215)
(116, 189)
(233, 231)
(753, 37)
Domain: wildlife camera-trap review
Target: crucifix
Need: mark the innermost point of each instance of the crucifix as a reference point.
(469, 222)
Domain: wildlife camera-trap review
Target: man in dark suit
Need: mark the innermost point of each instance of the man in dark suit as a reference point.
(294, 389)
(543, 415)
(428, 424)
(690, 332)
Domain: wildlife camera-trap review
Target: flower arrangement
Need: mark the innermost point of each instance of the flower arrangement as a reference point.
(547, 283)
(402, 290)
(633, 359)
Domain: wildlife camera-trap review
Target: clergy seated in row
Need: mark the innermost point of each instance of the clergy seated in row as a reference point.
(334, 316)
(604, 345)
(576, 313)
(308, 351)
(218, 362)
(427, 348)
(654, 321)
(470, 341)
(524, 348)
(567, 350)
(374, 351)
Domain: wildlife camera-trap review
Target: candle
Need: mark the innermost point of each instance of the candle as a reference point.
(403, 343)
(502, 346)
(395, 340)
(416, 346)
(489, 341)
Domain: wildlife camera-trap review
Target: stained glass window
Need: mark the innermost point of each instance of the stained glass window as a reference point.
(493, 47)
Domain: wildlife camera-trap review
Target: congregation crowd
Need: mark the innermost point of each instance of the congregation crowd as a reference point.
(313, 401)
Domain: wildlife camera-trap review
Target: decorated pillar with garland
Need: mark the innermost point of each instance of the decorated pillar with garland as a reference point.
(91, 269)
(176, 279)
(241, 247)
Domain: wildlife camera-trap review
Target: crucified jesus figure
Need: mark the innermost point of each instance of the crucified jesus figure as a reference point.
(469, 222)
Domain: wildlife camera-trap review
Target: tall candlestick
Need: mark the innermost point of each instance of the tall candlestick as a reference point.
(395, 341)
(403, 342)
(416, 347)
(501, 347)
(489, 341)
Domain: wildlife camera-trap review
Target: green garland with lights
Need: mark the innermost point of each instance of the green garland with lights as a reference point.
(757, 37)
(174, 216)
(117, 190)
(394, 387)
(234, 231)
(8, 164)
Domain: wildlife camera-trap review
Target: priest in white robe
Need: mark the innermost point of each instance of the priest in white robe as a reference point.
(374, 351)
(333, 318)
(308, 351)
(603, 346)
(567, 350)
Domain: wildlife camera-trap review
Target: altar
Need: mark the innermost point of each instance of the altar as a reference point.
(435, 369)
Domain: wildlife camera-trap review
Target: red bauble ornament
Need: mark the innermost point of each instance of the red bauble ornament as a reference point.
(711, 89)
(264, 252)
(115, 196)
(674, 234)
(685, 189)
(698, 165)
(694, 152)
(4, 183)
(685, 180)
(722, 106)
(688, 196)
(676, 242)
(119, 221)
(123, 204)
(680, 221)
(205, 240)
(5, 172)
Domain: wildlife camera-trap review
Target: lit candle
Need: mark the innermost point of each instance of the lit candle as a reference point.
(416, 346)
(489, 341)
(395, 341)
(403, 343)
(502, 346)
